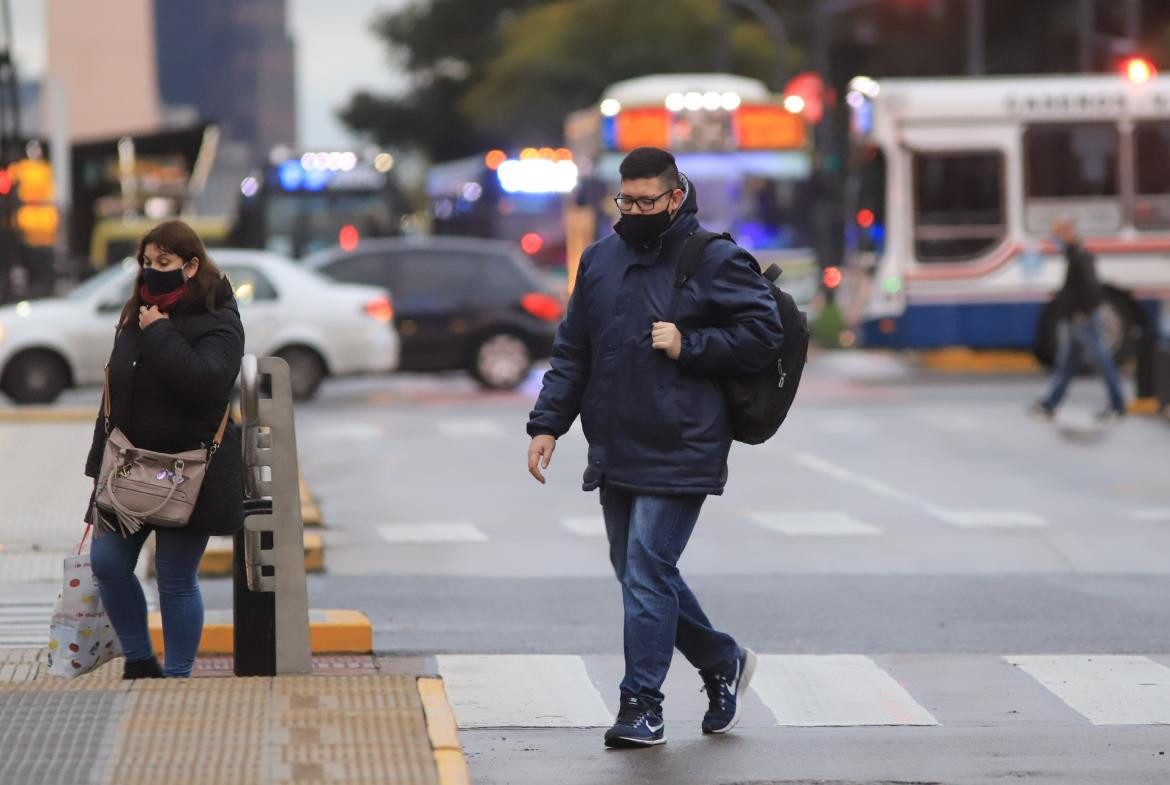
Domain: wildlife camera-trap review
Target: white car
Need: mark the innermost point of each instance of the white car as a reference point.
(322, 328)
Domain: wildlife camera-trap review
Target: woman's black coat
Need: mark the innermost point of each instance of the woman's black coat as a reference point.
(169, 387)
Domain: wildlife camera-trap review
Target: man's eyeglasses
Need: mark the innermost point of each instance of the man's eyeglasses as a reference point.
(645, 203)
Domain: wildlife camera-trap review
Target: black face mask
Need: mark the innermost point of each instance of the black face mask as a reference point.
(159, 283)
(638, 229)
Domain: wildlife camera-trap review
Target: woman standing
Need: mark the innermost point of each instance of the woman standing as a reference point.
(176, 356)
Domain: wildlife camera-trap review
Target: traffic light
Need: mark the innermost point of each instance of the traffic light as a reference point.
(37, 219)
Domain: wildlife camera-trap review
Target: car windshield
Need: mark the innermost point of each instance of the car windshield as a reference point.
(91, 286)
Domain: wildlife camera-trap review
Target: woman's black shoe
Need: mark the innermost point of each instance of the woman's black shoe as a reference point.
(142, 669)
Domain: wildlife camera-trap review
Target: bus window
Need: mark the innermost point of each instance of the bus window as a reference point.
(1072, 168)
(958, 205)
(1152, 151)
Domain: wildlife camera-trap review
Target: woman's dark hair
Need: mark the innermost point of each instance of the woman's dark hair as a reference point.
(646, 162)
(177, 238)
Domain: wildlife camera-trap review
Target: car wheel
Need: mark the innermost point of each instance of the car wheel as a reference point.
(35, 377)
(501, 361)
(306, 371)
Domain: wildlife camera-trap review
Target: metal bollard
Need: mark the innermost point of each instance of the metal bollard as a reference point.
(270, 593)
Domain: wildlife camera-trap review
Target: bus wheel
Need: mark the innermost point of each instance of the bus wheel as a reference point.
(1120, 319)
(501, 361)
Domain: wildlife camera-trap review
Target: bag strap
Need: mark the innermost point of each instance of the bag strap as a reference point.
(106, 401)
(218, 440)
(688, 263)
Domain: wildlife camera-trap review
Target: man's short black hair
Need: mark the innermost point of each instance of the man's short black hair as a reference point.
(643, 162)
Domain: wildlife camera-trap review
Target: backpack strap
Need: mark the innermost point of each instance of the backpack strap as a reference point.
(689, 260)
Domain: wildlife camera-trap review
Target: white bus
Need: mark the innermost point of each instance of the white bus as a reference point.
(953, 186)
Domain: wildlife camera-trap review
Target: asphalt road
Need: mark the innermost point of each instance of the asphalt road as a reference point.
(946, 590)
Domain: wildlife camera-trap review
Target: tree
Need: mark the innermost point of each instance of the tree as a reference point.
(442, 45)
(501, 73)
(560, 56)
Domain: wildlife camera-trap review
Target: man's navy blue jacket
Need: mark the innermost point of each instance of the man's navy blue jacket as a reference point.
(656, 425)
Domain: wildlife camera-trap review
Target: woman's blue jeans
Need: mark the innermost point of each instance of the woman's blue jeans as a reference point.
(176, 561)
(647, 535)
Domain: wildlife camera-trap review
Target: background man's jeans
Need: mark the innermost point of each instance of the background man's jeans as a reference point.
(176, 560)
(1073, 334)
(647, 535)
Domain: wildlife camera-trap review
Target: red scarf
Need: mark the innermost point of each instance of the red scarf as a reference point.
(164, 301)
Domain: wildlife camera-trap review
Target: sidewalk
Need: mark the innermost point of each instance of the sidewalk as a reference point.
(355, 720)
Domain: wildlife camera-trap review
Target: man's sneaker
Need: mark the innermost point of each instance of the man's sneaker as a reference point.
(1110, 415)
(724, 688)
(1041, 411)
(639, 724)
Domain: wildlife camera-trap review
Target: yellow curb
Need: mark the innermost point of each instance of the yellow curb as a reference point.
(47, 414)
(1144, 406)
(217, 559)
(310, 511)
(443, 732)
(330, 632)
(961, 360)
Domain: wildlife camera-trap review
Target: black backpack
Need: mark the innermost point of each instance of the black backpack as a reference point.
(758, 403)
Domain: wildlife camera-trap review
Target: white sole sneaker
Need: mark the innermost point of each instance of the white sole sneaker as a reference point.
(745, 678)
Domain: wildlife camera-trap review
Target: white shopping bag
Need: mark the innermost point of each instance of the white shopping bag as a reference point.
(80, 634)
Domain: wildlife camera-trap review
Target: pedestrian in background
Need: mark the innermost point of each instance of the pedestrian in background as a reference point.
(176, 356)
(657, 424)
(1078, 327)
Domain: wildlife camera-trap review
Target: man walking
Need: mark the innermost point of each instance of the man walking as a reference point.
(1079, 328)
(646, 385)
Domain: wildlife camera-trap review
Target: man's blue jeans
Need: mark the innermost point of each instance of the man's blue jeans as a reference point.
(1085, 332)
(647, 535)
(176, 560)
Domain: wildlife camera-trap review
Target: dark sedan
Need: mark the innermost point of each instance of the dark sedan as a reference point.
(459, 303)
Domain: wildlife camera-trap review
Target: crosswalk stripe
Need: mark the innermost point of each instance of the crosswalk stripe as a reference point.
(585, 525)
(475, 427)
(533, 691)
(989, 519)
(813, 523)
(832, 691)
(1157, 515)
(1104, 689)
(425, 533)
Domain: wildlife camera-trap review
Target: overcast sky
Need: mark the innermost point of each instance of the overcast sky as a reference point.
(336, 55)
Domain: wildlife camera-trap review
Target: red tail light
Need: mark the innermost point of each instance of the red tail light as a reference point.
(542, 306)
(380, 309)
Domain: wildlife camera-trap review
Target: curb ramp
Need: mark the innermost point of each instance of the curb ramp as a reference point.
(350, 721)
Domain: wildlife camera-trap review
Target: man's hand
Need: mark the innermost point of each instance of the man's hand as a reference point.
(665, 336)
(539, 454)
(148, 316)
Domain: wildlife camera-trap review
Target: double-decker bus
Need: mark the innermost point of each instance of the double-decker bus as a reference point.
(954, 184)
(514, 195)
(301, 202)
(747, 155)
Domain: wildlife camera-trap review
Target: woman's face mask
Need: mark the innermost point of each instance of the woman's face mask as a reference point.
(160, 282)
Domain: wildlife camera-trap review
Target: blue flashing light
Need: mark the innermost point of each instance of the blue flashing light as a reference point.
(877, 234)
(609, 133)
(317, 179)
(291, 174)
